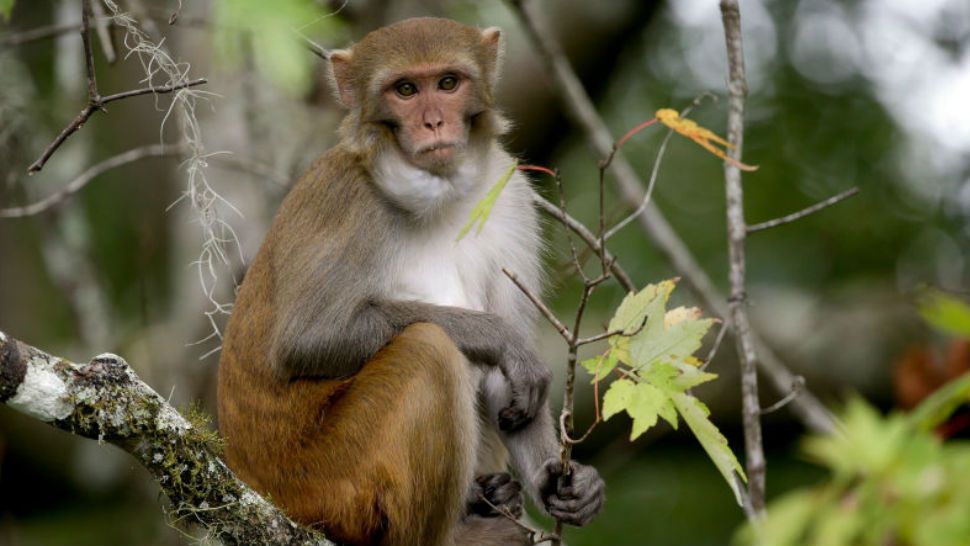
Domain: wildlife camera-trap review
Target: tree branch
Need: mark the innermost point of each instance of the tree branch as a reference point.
(98, 104)
(580, 108)
(76, 185)
(737, 232)
(104, 400)
(804, 212)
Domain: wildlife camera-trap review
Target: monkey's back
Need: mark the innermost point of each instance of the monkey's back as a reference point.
(271, 425)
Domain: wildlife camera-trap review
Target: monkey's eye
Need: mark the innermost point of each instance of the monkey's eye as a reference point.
(406, 89)
(448, 83)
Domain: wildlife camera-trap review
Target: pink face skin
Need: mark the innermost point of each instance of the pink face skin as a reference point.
(431, 106)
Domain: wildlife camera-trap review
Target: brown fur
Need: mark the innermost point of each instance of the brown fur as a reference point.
(378, 454)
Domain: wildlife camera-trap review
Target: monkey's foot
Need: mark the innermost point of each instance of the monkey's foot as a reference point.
(494, 495)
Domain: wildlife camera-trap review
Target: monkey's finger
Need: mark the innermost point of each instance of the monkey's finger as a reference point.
(577, 512)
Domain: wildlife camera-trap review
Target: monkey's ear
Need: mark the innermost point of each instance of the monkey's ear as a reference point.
(340, 77)
(493, 47)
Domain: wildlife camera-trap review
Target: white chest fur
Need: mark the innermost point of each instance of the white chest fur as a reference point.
(431, 265)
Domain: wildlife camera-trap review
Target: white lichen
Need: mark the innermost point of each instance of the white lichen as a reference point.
(169, 419)
(42, 394)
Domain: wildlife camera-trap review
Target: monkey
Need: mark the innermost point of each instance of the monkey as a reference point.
(378, 375)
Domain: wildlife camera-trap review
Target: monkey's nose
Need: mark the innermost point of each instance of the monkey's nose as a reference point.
(433, 124)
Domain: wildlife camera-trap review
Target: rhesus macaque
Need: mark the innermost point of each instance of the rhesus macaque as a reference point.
(377, 375)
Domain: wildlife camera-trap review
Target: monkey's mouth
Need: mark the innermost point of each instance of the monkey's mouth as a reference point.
(438, 150)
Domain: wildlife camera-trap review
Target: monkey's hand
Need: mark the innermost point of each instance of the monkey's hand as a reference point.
(528, 379)
(574, 499)
(494, 495)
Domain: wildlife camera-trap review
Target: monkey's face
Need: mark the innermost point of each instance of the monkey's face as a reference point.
(429, 109)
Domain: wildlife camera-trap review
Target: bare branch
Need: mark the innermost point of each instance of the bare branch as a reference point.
(796, 389)
(580, 108)
(98, 104)
(588, 237)
(652, 181)
(93, 96)
(804, 212)
(159, 90)
(546, 312)
(76, 185)
(14, 39)
(717, 345)
(536, 536)
(104, 400)
(751, 408)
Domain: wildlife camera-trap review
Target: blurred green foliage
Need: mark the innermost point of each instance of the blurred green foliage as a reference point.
(892, 482)
(273, 32)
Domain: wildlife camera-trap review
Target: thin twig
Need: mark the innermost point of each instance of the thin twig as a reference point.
(618, 332)
(315, 48)
(652, 181)
(569, 439)
(98, 104)
(546, 312)
(588, 237)
(804, 212)
(796, 389)
(82, 180)
(717, 345)
(751, 408)
(581, 110)
(536, 536)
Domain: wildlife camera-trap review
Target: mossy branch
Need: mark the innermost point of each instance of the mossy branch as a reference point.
(106, 401)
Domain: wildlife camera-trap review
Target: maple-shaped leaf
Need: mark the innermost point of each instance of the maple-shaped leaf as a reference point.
(484, 207)
(695, 414)
(674, 337)
(600, 366)
(642, 401)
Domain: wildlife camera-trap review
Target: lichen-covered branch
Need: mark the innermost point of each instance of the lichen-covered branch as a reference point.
(104, 400)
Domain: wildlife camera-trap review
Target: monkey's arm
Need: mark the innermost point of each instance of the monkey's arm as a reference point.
(332, 349)
(535, 457)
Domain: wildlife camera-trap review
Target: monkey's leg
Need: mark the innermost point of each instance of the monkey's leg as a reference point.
(389, 455)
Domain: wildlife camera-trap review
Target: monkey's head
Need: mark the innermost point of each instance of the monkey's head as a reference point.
(423, 85)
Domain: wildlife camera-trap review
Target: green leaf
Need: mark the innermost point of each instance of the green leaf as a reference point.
(6, 8)
(650, 303)
(946, 313)
(679, 334)
(938, 407)
(484, 207)
(695, 414)
(273, 30)
(642, 401)
(600, 366)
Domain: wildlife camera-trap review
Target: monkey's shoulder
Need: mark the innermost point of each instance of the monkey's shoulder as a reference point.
(334, 187)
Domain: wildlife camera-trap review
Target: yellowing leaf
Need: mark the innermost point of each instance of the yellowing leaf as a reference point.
(676, 337)
(700, 135)
(695, 414)
(484, 207)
